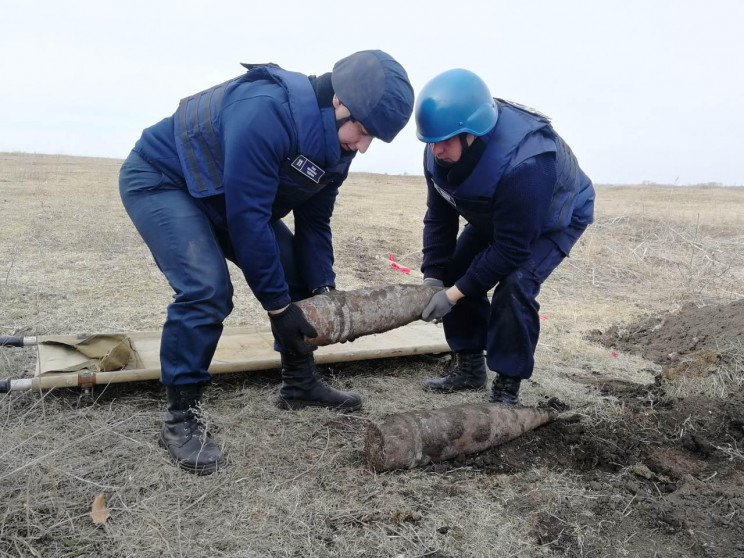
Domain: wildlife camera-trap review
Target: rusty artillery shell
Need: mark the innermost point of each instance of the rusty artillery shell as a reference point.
(342, 315)
(412, 439)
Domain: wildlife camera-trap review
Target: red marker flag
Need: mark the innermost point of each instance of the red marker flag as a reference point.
(397, 267)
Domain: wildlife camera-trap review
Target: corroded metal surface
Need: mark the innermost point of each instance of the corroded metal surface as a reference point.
(407, 440)
(342, 315)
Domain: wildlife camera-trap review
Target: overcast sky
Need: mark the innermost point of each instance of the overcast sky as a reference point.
(643, 90)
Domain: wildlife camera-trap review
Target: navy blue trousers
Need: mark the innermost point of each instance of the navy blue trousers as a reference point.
(508, 327)
(191, 247)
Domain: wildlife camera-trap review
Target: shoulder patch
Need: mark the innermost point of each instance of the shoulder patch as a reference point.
(308, 168)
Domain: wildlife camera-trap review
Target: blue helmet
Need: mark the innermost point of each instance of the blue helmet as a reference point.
(376, 90)
(454, 102)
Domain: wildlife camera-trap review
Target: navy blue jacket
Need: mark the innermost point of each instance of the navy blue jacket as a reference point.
(250, 151)
(526, 184)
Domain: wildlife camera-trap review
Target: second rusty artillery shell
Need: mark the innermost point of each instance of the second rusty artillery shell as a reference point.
(415, 438)
(342, 315)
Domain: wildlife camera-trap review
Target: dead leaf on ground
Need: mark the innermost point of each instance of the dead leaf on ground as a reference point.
(99, 513)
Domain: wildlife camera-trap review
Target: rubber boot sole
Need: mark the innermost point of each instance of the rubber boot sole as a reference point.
(297, 404)
(194, 469)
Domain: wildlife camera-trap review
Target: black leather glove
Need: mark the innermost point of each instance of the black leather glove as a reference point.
(439, 306)
(290, 329)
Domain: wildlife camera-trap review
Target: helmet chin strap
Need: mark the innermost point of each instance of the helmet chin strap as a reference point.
(463, 143)
(341, 121)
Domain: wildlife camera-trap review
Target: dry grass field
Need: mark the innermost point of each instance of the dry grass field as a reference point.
(642, 352)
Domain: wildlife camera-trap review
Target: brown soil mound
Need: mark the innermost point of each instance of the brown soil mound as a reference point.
(664, 339)
(671, 475)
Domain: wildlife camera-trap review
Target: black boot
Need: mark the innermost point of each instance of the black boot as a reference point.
(505, 390)
(301, 387)
(184, 435)
(469, 373)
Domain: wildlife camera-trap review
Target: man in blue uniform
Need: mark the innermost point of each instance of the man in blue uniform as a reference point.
(504, 169)
(213, 181)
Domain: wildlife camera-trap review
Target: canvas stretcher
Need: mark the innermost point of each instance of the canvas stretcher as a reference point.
(61, 363)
